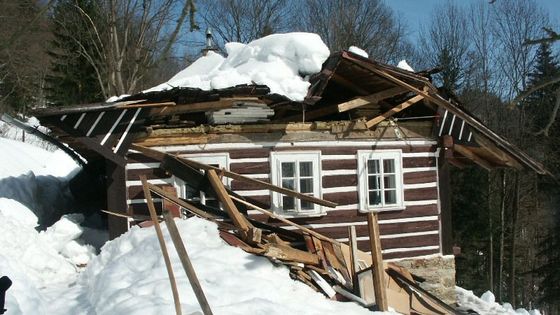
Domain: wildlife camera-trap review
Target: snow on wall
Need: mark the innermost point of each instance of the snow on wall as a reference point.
(280, 61)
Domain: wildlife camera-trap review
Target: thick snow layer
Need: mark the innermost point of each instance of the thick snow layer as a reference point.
(280, 61)
(405, 66)
(358, 51)
(129, 277)
(486, 304)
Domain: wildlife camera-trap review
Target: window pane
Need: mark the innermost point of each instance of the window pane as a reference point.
(306, 205)
(288, 183)
(288, 169)
(288, 203)
(305, 169)
(373, 166)
(374, 198)
(389, 181)
(373, 182)
(390, 197)
(306, 185)
(389, 166)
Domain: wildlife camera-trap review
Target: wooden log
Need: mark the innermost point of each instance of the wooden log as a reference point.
(202, 106)
(377, 262)
(372, 98)
(186, 262)
(238, 219)
(394, 110)
(288, 253)
(190, 207)
(159, 233)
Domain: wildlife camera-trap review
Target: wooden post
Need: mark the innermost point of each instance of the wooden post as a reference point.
(187, 265)
(154, 218)
(377, 270)
(353, 258)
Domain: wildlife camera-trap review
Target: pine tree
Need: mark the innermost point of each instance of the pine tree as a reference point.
(539, 105)
(72, 79)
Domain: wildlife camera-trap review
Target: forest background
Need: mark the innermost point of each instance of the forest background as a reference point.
(498, 57)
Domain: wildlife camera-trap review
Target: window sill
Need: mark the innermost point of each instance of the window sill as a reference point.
(383, 209)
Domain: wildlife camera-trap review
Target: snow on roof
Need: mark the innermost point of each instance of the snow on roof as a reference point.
(358, 51)
(405, 66)
(279, 61)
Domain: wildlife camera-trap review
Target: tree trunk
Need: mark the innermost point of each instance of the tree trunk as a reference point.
(502, 236)
(491, 238)
(515, 211)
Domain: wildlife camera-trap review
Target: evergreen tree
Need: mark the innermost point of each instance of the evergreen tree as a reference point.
(539, 106)
(72, 78)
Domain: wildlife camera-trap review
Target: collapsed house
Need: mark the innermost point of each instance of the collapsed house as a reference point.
(368, 137)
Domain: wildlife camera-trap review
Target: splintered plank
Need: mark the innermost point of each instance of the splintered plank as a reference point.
(369, 99)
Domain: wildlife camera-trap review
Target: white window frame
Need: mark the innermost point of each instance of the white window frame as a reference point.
(363, 156)
(222, 160)
(276, 160)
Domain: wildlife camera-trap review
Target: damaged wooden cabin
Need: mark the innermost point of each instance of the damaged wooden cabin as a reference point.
(368, 137)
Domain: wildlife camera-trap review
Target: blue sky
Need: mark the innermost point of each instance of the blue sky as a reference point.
(417, 12)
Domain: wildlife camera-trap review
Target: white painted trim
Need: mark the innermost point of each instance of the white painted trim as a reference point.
(419, 154)
(391, 236)
(155, 181)
(419, 169)
(252, 193)
(249, 160)
(331, 190)
(314, 144)
(408, 249)
(421, 185)
(470, 136)
(77, 124)
(429, 256)
(113, 127)
(339, 172)
(390, 221)
(140, 201)
(121, 140)
(338, 157)
(141, 166)
(421, 202)
(345, 207)
(442, 123)
(95, 123)
(461, 132)
(257, 176)
(452, 123)
(63, 117)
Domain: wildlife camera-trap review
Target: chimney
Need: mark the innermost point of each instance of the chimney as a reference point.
(209, 43)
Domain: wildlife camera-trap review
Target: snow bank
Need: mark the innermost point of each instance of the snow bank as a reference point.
(280, 61)
(129, 277)
(486, 304)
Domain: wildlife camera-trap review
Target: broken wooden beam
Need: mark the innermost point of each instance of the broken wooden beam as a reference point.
(369, 99)
(394, 110)
(186, 262)
(472, 156)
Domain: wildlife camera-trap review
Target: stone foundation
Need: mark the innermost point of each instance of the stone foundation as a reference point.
(439, 272)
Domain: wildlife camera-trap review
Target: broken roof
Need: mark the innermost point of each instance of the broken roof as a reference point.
(348, 85)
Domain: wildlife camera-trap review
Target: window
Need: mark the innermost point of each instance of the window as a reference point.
(380, 180)
(185, 191)
(299, 171)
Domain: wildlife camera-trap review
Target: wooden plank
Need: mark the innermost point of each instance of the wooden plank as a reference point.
(377, 260)
(353, 258)
(162, 245)
(472, 156)
(238, 219)
(349, 84)
(288, 253)
(369, 99)
(203, 106)
(186, 205)
(394, 110)
(312, 114)
(185, 261)
(264, 185)
(145, 105)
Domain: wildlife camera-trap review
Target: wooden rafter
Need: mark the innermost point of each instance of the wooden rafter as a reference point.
(394, 110)
(369, 99)
(472, 156)
(203, 106)
(348, 84)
